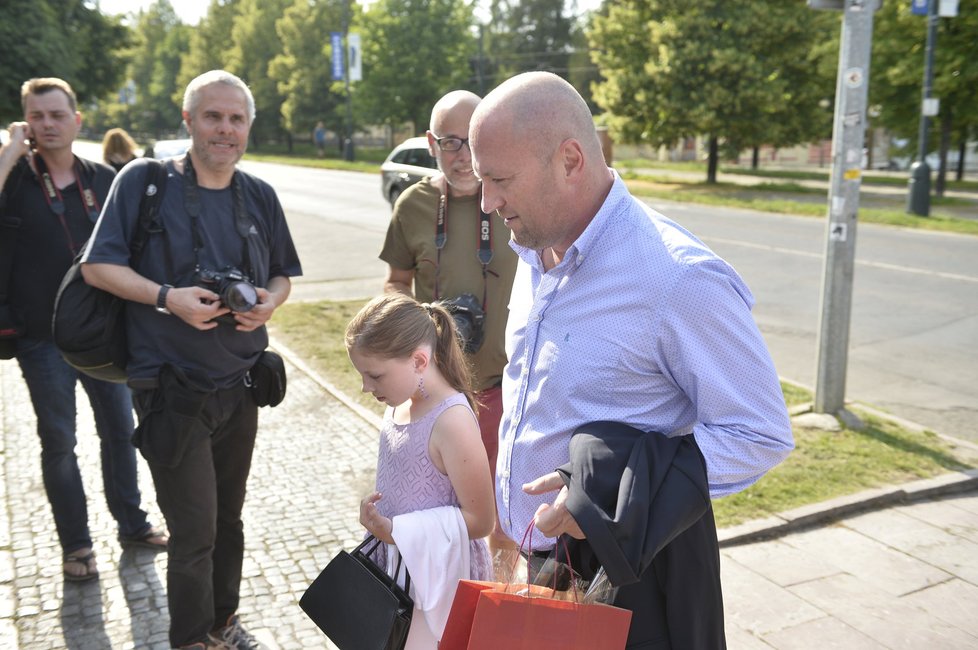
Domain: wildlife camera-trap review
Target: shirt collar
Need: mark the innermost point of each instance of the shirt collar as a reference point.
(585, 242)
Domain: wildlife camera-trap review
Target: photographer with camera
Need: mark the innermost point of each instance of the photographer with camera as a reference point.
(215, 267)
(440, 242)
(49, 202)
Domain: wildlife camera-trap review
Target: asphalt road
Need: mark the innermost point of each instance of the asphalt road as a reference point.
(914, 330)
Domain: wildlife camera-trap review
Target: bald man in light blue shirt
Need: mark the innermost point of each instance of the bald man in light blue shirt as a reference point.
(617, 314)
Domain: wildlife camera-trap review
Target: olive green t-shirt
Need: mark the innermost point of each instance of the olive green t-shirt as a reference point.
(410, 245)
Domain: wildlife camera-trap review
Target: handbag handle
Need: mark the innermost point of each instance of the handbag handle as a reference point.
(397, 569)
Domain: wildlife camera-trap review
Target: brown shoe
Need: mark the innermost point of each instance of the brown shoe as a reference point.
(210, 643)
(152, 538)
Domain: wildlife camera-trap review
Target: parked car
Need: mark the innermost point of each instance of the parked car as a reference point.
(168, 148)
(407, 164)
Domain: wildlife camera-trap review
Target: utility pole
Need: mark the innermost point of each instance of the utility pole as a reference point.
(848, 135)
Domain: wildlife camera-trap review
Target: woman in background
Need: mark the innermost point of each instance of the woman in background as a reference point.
(118, 148)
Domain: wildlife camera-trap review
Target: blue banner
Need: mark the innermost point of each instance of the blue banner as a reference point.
(336, 40)
(919, 7)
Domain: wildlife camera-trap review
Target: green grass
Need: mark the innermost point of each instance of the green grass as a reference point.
(824, 464)
(770, 197)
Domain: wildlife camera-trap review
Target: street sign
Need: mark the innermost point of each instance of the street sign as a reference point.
(918, 7)
(948, 9)
(353, 46)
(931, 107)
(336, 42)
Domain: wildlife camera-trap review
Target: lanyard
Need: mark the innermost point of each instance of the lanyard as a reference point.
(191, 202)
(56, 202)
(483, 250)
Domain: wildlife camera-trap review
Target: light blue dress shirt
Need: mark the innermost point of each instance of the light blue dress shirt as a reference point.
(640, 323)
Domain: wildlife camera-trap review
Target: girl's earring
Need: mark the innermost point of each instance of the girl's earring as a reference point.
(424, 393)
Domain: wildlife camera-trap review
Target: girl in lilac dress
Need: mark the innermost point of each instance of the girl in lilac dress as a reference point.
(431, 453)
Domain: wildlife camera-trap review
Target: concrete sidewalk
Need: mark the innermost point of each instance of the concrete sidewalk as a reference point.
(904, 576)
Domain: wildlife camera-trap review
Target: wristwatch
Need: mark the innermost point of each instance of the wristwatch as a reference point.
(161, 299)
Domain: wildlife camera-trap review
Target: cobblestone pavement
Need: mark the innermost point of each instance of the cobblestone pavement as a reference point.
(905, 576)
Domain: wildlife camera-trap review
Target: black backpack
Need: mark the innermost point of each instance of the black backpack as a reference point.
(89, 325)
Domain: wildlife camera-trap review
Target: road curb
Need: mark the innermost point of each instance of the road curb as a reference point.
(833, 510)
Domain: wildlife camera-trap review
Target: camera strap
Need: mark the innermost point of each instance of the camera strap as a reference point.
(191, 202)
(52, 195)
(483, 240)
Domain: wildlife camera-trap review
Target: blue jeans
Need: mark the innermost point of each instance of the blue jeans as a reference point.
(51, 383)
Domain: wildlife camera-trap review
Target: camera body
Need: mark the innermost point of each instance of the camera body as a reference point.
(470, 320)
(233, 287)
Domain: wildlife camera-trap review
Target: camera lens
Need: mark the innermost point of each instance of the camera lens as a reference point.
(240, 296)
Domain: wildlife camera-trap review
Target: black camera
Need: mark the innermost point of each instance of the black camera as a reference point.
(235, 289)
(470, 320)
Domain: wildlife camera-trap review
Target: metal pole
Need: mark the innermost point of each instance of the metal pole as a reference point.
(348, 145)
(848, 134)
(918, 196)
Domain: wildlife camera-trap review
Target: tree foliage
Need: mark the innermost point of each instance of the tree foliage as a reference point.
(154, 67)
(60, 38)
(303, 70)
(742, 72)
(414, 51)
(897, 76)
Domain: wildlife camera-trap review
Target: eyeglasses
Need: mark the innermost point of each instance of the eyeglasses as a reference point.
(450, 143)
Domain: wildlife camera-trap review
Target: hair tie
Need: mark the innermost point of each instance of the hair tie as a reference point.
(428, 307)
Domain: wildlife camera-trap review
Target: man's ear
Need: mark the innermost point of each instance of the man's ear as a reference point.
(571, 158)
(186, 119)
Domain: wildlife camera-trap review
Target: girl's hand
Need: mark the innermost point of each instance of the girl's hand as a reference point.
(376, 524)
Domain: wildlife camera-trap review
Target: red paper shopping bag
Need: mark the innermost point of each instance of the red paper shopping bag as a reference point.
(486, 616)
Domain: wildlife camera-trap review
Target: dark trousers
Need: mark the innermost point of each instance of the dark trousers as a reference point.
(202, 498)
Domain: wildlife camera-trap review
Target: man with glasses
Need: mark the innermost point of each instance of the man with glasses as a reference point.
(441, 246)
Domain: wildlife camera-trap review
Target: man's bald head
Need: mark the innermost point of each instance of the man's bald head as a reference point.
(539, 109)
(453, 103)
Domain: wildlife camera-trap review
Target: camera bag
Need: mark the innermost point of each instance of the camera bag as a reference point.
(267, 379)
(89, 324)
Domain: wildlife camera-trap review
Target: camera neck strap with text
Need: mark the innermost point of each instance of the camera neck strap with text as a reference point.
(191, 202)
(52, 195)
(483, 241)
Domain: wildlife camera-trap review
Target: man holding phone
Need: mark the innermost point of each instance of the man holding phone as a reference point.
(49, 203)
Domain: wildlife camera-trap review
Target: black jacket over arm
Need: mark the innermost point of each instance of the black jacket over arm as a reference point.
(642, 501)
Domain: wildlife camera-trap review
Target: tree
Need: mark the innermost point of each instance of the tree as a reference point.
(249, 57)
(897, 77)
(303, 70)
(414, 51)
(67, 39)
(741, 72)
(524, 36)
(154, 67)
(208, 47)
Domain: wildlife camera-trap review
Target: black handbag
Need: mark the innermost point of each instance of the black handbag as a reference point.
(357, 604)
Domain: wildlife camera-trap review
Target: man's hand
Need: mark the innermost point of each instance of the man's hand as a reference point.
(376, 524)
(553, 520)
(258, 315)
(196, 306)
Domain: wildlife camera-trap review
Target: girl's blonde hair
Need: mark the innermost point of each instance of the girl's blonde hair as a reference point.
(394, 325)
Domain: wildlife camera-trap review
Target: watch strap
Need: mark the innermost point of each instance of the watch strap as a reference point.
(161, 298)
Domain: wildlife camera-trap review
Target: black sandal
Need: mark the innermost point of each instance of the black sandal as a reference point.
(86, 560)
(153, 538)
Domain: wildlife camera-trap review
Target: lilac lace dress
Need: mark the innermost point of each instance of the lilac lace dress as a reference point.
(410, 482)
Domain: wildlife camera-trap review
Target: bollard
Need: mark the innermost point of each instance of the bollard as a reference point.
(918, 189)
